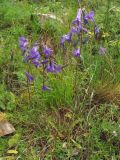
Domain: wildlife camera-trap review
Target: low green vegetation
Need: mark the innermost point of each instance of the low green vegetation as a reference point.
(49, 125)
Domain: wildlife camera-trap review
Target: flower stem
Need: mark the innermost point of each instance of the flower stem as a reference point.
(29, 95)
(28, 87)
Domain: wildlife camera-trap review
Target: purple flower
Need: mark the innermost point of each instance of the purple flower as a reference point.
(85, 20)
(74, 30)
(102, 50)
(45, 88)
(23, 43)
(33, 53)
(66, 38)
(47, 51)
(78, 20)
(51, 67)
(89, 16)
(29, 77)
(58, 68)
(36, 63)
(76, 52)
(48, 68)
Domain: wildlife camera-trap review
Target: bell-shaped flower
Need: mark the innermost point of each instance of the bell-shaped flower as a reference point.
(78, 19)
(89, 16)
(50, 67)
(66, 37)
(47, 51)
(53, 68)
(33, 53)
(36, 63)
(23, 43)
(76, 52)
(58, 68)
(74, 30)
(29, 77)
(46, 88)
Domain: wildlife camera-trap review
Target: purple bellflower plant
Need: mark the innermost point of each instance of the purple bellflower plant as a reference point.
(42, 59)
(46, 59)
(82, 18)
(78, 36)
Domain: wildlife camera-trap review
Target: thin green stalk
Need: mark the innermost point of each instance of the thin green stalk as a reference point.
(28, 87)
(29, 95)
(76, 88)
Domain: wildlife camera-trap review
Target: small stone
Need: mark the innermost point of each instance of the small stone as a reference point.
(5, 127)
